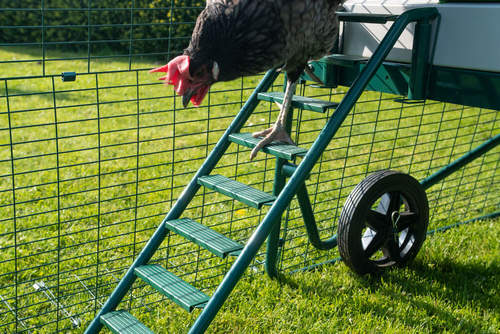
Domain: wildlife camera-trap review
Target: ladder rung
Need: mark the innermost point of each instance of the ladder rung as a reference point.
(122, 322)
(298, 101)
(239, 191)
(201, 235)
(176, 289)
(280, 150)
(366, 17)
(344, 60)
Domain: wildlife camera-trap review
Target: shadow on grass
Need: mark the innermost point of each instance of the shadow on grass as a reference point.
(442, 295)
(456, 282)
(447, 282)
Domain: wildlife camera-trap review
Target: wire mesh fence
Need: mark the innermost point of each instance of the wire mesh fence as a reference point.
(89, 168)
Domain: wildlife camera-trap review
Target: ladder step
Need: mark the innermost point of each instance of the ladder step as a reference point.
(327, 68)
(201, 235)
(366, 17)
(280, 150)
(177, 290)
(298, 101)
(122, 322)
(343, 60)
(239, 191)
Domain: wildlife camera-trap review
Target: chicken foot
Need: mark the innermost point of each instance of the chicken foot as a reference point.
(278, 131)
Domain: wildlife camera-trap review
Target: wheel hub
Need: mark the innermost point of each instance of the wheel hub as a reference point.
(395, 215)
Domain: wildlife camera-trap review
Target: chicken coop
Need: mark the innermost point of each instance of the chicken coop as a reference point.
(105, 177)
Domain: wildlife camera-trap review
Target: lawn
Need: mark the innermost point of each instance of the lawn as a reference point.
(96, 164)
(451, 287)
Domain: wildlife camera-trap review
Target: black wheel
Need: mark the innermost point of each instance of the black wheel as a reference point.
(383, 222)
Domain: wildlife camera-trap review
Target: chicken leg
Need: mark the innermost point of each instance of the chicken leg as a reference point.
(278, 131)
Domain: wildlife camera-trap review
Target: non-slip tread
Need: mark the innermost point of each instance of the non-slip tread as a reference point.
(237, 190)
(122, 322)
(204, 236)
(298, 101)
(173, 287)
(280, 150)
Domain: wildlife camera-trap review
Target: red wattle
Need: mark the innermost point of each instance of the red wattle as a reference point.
(199, 96)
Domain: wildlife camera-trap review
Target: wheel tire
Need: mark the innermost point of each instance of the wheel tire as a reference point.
(383, 222)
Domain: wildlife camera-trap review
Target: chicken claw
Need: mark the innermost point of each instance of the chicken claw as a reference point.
(275, 133)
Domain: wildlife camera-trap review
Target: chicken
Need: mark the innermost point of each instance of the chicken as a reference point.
(233, 38)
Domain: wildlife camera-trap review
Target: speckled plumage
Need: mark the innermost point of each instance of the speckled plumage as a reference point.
(233, 38)
(250, 36)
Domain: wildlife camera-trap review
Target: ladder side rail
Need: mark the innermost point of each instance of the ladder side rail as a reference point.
(159, 235)
(319, 145)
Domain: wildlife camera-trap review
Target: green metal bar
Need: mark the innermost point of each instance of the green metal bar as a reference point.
(137, 163)
(99, 190)
(288, 169)
(448, 227)
(188, 193)
(420, 61)
(310, 222)
(14, 208)
(460, 162)
(89, 2)
(131, 34)
(259, 236)
(273, 239)
(58, 193)
(44, 51)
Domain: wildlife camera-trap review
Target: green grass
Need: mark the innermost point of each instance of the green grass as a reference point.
(91, 189)
(452, 286)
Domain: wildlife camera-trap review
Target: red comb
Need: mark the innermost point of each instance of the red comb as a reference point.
(164, 68)
(177, 73)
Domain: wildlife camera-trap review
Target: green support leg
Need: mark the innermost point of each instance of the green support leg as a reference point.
(279, 183)
(310, 222)
(274, 236)
(420, 62)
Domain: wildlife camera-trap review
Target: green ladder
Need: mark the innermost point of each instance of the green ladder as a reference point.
(189, 297)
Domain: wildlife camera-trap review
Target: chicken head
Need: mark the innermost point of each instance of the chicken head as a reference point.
(192, 87)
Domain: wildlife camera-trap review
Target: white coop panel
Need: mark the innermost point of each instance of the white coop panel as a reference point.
(468, 38)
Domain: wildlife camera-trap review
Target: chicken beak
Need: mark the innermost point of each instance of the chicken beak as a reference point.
(186, 97)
